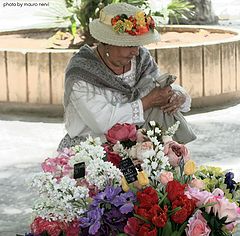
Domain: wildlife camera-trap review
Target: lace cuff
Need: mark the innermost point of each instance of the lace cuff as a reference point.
(137, 112)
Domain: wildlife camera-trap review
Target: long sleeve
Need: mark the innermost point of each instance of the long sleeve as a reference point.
(98, 113)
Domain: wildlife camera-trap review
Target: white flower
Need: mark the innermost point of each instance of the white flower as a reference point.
(152, 123)
(172, 129)
(154, 165)
(166, 138)
(63, 200)
(147, 154)
(150, 133)
(157, 130)
(87, 150)
(102, 173)
(155, 141)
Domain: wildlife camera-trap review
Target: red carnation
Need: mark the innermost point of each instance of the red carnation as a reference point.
(160, 217)
(141, 30)
(174, 189)
(147, 197)
(136, 227)
(112, 157)
(146, 230)
(187, 207)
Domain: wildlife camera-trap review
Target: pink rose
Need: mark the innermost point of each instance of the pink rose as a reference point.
(230, 227)
(197, 225)
(218, 193)
(226, 208)
(175, 151)
(197, 183)
(165, 177)
(121, 132)
(200, 196)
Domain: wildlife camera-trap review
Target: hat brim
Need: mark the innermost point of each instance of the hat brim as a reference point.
(105, 34)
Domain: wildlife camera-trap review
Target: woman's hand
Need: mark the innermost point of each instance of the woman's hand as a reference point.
(158, 97)
(174, 103)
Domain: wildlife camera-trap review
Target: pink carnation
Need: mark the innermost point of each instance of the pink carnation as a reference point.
(57, 166)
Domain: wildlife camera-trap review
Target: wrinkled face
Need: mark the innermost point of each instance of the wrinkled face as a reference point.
(121, 56)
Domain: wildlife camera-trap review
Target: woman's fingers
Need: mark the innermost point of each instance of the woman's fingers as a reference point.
(174, 103)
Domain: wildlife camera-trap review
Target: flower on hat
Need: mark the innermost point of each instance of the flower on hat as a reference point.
(133, 25)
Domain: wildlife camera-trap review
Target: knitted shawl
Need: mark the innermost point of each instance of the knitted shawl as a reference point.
(85, 66)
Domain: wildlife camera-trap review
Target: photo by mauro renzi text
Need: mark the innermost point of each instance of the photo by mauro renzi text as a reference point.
(25, 4)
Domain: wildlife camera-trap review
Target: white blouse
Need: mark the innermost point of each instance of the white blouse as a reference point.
(93, 110)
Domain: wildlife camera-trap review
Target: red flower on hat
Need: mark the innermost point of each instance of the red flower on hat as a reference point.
(140, 24)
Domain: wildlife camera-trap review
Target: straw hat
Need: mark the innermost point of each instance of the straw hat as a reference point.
(122, 24)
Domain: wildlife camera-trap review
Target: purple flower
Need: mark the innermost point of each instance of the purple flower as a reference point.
(109, 211)
(125, 200)
(229, 181)
(92, 220)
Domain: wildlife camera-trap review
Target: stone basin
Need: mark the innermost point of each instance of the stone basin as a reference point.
(209, 71)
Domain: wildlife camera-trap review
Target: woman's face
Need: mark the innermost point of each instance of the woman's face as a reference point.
(121, 56)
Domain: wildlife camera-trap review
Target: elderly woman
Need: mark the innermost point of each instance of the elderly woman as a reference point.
(116, 81)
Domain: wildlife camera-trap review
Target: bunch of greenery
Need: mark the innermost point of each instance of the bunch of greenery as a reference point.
(215, 177)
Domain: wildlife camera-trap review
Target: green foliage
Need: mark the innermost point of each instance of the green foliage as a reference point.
(213, 177)
(179, 9)
(216, 224)
(175, 10)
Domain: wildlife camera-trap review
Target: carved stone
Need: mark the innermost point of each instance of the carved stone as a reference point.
(204, 14)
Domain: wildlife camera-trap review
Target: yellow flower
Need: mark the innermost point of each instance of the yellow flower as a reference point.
(125, 186)
(142, 178)
(190, 167)
(141, 19)
(128, 24)
(119, 27)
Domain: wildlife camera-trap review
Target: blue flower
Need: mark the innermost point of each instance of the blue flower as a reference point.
(229, 181)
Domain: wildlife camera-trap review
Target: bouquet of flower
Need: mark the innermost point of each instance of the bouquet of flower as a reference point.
(138, 183)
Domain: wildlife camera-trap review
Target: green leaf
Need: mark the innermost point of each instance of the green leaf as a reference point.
(182, 228)
(162, 198)
(174, 211)
(142, 218)
(167, 230)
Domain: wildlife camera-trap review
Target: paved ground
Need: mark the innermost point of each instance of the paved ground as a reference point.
(24, 144)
